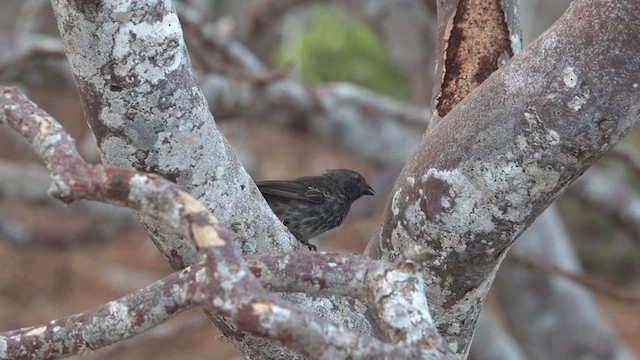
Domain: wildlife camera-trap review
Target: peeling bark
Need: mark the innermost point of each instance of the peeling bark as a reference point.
(475, 38)
(508, 150)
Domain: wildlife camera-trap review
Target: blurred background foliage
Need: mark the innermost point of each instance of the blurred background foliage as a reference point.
(334, 47)
(331, 46)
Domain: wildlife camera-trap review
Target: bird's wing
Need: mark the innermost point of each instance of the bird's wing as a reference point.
(291, 190)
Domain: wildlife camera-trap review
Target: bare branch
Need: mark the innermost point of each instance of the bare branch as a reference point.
(631, 159)
(340, 113)
(232, 50)
(492, 342)
(508, 150)
(223, 284)
(28, 183)
(29, 18)
(39, 47)
(104, 325)
(387, 289)
(596, 285)
(261, 14)
(337, 274)
(612, 196)
(567, 321)
(146, 111)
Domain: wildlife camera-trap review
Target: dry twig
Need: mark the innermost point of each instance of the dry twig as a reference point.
(222, 283)
(596, 285)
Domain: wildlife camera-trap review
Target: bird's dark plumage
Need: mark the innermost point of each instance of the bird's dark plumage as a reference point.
(311, 205)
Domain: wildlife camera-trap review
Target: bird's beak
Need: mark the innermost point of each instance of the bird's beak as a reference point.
(368, 190)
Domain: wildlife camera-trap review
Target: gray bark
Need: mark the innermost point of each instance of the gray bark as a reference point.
(500, 157)
(146, 111)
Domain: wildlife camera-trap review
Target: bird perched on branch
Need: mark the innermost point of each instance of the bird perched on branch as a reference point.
(311, 205)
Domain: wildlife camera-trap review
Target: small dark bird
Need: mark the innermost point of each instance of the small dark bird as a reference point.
(311, 205)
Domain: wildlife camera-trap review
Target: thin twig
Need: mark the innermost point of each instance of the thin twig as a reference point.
(222, 283)
(596, 285)
(631, 159)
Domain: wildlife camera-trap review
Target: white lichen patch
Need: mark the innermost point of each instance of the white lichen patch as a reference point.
(552, 136)
(578, 102)
(569, 77)
(47, 141)
(399, 242)
(113, 115)
(543, 179)
(395, 202)
(154, 201)
(467, 198)
(118, 321)
(518, 182)
(405, 311)
(175, 153)
(537, 137)
(116, 152)
(118, 310)
(3, 349)
(157, 46)
(201, 275)
(269, 315)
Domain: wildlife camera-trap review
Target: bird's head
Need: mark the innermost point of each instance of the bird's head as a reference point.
(355, 185)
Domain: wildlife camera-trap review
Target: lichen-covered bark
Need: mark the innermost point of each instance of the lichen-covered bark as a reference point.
(222, 283)
(146, 111)
(500, 157)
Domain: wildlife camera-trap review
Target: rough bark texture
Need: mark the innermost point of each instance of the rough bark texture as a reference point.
(475, 38)
(146, 111)
(508, 150)
(222, 283)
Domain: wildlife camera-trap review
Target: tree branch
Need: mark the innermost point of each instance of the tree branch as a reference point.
(612, 196)
(223, 283)
(508, 150)
(568, 321)
(629, 158)
(147, 112)
(601, 287)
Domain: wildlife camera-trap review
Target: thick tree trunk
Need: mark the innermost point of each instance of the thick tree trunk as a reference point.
(511, 147)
